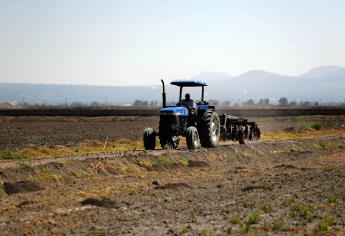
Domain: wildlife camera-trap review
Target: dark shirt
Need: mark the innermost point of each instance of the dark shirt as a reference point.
(189, 103)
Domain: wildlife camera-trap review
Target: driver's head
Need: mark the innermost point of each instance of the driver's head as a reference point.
(187, 96)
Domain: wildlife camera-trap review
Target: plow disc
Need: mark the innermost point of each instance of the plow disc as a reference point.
(238, 129)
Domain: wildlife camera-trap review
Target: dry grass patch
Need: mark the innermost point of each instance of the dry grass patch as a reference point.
(9, 155)
(314, 133)
(146, 163)
(129, 168)
(44, 151)
(45, 174)
(89, 147)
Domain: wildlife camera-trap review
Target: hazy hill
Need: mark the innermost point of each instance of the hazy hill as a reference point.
(325, 72)
(321, 83)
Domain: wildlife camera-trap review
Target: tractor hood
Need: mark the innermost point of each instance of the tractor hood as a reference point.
(176, 111)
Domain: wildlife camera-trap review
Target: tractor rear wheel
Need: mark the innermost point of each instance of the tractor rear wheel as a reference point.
(192, 138)
(209, 129)
(149, 139)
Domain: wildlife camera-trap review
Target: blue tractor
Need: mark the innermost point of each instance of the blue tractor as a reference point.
(199, 123)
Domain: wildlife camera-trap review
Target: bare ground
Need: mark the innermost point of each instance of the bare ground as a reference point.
(286, 187)
(16, 132)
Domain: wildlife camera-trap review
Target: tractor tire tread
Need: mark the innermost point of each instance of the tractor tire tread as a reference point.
(204, 129)
(191, 137)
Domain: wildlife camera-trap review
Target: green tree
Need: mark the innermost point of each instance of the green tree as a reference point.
(283, 101)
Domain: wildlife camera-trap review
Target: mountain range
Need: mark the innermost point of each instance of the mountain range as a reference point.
(325, 84)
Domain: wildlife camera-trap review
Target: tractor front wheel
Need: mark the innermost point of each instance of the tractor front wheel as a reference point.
(149, 139)
(192, 138)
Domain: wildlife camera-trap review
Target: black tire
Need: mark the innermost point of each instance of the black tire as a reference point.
(240, 136)
(149, 139)
(192, 138)
(209, 129)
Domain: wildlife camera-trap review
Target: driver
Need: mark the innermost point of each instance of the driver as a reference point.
(187, 102)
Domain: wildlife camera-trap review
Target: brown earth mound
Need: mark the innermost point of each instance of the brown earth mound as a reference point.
(21, 187)
(287, 187)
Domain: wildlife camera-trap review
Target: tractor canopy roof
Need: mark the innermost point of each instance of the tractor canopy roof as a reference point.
(188, 83)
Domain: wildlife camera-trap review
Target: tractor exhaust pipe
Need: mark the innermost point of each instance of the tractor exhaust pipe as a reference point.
(164, 99)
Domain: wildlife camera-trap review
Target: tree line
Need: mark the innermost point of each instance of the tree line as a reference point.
(283, 101)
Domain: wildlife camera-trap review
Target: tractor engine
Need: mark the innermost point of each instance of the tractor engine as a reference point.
(173, 122)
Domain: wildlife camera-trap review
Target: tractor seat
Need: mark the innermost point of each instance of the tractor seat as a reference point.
(202, 103)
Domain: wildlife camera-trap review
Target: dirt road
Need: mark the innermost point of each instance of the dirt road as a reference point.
(278, 187)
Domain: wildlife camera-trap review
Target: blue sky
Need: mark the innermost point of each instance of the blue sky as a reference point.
(138, 42)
